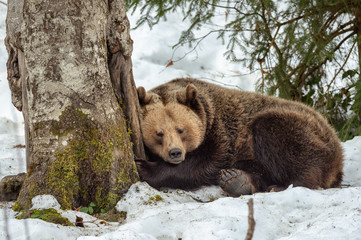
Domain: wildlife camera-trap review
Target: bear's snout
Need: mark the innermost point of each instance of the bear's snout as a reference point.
(175, 154)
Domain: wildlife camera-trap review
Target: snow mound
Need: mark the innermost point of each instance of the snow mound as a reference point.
(45, 202)
(36, 229)
(296, 213)
(141, 194)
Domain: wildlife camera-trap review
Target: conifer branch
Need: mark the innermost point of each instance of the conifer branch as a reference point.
(313, 69)
(302, 76)
(334, 77)
(315, 12)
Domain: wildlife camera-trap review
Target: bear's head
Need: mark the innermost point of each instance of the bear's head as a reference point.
(173, 122)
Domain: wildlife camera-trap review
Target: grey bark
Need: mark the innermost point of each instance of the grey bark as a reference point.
(63, 57)
(120, 66)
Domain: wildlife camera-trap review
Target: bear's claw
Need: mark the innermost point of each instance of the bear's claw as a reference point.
(235, 182)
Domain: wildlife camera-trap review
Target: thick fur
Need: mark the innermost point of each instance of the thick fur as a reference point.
(274, 141)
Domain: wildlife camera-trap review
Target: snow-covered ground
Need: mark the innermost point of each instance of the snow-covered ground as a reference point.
(296, 213)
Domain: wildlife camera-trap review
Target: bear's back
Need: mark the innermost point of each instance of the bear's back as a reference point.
(230, 103)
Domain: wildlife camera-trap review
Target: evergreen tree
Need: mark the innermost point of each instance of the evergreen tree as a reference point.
(305, 50)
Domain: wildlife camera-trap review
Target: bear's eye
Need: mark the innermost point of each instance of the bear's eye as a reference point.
(159, 134)
(180, 131)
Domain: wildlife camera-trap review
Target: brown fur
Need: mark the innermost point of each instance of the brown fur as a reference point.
(274, 141)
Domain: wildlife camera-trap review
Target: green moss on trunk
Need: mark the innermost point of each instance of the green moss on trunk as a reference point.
(48, 215)
(33, 189)
(95, 165)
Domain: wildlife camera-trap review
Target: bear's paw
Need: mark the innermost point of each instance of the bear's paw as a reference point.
(235, 182)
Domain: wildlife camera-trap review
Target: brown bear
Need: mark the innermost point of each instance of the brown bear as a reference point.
(196, 134)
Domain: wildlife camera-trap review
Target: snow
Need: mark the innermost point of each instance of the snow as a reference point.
(352, 166)
(45, 202)
(296, 213)
(12, 160)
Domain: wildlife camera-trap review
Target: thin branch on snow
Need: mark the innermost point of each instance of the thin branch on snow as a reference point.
(3, 3)
(251, 221)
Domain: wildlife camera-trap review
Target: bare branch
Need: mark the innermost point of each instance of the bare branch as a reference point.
(222, 83)
(198, 41)
(251, 221)
(3, 3)
(226, 7)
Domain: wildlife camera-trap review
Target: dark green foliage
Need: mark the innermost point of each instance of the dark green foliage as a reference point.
(89, 209)
(308, 51)
(92, 208)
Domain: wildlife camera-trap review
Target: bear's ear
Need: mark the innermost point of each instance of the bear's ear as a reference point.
(188, 97)
(144, 97)
(141, 94)
(191, 93)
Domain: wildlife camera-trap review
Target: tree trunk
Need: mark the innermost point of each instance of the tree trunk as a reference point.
(63, 71)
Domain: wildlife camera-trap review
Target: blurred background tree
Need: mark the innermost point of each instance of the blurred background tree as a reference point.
(304, 50)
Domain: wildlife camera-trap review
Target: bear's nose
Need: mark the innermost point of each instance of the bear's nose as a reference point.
(175, 153)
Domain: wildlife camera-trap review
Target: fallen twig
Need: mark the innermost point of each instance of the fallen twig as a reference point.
(251, 222)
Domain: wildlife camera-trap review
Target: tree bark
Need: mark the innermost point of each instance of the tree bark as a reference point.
(74, 99)
(121, 74)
